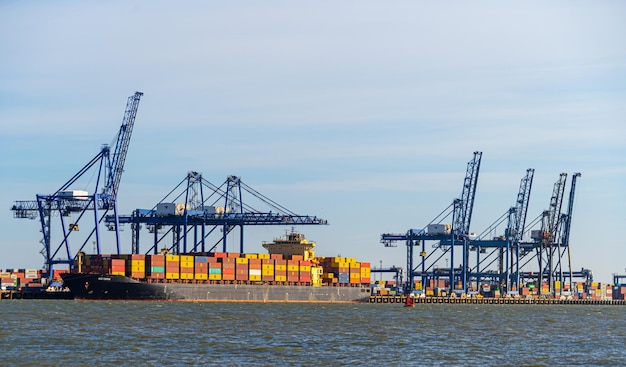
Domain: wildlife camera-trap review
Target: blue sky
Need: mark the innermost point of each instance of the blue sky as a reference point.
(364, 113)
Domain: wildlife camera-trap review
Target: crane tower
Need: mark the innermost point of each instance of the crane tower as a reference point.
(69, 202)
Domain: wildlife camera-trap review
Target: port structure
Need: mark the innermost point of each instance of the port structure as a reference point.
(448, 238)
(505, 261)
(56, 209)
(397, 271)
(549, 246)
(198, 216)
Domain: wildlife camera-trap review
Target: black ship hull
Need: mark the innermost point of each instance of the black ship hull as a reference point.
(109, 287)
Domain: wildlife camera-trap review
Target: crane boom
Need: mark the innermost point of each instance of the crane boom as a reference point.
(116, 162)
(521, 207)
(567, 218)
(463, 211)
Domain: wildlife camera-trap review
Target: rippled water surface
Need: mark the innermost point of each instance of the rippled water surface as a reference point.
(93, 333)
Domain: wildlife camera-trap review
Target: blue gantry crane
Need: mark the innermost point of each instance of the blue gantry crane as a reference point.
(68, 201)
(500, 261)
(197, 216)
(497, 257)
(550, 245)
(448, 237)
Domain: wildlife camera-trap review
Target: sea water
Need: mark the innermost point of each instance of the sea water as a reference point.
(118, 333)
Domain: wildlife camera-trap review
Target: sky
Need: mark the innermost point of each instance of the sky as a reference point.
(364, 113)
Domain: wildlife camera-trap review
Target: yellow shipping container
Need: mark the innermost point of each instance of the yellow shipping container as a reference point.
(340, 264)
(186, 275)
(172, 258)
(268, 267)
(557, 284)
(200, 276)
(251, 256)
(264, 256)
(172, 275)
(138, 262)
(268, 272)
(281, 267)
(305, 268)
(186, 258)
(118, 273)
(186, 264)
(351, 260)
(280, 278)
(241, 260)
(254, 278)
(215, 276)
(292, 267)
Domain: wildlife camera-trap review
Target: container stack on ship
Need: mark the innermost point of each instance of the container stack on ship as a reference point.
(31, 284)
(290, 272)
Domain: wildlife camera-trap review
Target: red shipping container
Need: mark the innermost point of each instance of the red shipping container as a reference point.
(276, 256)
(156, 260)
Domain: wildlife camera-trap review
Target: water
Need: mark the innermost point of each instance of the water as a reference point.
(101, 333)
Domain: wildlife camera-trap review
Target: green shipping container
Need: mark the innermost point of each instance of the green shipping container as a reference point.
(158, 269)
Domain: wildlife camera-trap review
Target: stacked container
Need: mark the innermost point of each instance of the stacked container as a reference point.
(280, 270)
(304, 271)
(267, 270)
(157, 266)
(136, 267)
(201, 268)
(254, 270)
(186, 267)
(172, 267)
(241, 268)
(229, 267)
(366, 271)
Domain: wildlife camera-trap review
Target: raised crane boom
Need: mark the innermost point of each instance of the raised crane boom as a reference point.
(116, 162)
(66, 202)
(465, 205)
(521, 206)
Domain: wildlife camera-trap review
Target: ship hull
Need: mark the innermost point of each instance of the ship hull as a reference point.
(109, 287)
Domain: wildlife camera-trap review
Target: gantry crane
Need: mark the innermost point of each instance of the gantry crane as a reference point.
(502, 251)
(550, 244)
(68, 201)
(448, 236)
(566, 226)
(196, 216)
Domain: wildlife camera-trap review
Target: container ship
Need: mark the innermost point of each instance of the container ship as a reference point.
(289, 272)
